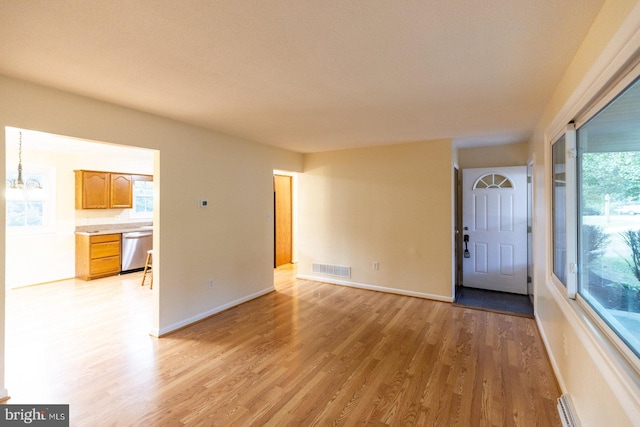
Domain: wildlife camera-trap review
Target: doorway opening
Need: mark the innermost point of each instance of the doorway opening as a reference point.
(530, 288)
(457, 236)
(40, 252)
(494, 254)
(284, 217)
(42, 218)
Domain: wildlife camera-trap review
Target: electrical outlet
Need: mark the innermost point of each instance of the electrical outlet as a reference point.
(211, 284)
(565, 345)
(376, 265)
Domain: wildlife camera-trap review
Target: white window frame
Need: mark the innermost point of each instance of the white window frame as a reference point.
(571, 214)
(47, 195)
(139, 215)
(570, 288)
(571, 218)
(552, 233)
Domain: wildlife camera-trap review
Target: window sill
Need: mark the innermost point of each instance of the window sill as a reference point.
(30, 231)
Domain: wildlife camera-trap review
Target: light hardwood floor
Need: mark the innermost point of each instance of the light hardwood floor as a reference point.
(307, 354)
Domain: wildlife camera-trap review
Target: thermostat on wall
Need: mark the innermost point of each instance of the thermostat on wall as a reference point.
(203, 203)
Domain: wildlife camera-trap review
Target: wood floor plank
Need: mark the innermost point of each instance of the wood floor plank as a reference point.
(307, 354)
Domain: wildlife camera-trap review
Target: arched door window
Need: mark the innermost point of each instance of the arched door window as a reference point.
(493, 180)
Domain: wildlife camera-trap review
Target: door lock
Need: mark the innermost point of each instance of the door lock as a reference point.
(466, 254)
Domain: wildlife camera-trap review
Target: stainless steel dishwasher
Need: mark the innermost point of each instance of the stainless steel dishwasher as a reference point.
(135, 245)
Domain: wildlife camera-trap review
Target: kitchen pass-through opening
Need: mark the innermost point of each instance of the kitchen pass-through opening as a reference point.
(43, 214)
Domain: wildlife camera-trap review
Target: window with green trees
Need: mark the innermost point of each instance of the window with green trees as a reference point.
(608, 168)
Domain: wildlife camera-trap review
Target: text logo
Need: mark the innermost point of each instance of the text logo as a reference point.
(34, 415)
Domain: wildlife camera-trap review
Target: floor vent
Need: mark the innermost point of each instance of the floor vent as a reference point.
(332, 270)
(567, 413)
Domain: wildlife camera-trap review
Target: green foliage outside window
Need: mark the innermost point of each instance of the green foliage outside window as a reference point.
(616, 174)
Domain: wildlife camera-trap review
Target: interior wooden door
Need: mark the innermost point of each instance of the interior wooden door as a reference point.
(283, 219)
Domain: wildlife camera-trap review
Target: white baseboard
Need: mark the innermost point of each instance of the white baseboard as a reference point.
(375, 288)
(193, 319)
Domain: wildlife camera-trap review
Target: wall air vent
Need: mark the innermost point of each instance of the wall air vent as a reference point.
(567, 413)
(331, 270)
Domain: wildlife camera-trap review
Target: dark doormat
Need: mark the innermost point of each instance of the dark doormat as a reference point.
(500, 302)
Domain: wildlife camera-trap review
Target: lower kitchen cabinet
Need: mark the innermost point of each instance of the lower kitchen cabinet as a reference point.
(97, 256)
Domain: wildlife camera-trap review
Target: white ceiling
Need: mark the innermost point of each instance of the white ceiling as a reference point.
(307, 75)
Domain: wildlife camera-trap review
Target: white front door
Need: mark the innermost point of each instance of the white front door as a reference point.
(494, 209)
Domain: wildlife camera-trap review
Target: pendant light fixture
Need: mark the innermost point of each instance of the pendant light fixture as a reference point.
(19, 183)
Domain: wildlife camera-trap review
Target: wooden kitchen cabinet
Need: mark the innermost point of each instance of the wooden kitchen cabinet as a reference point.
(92, 190)
(103, 190)
(97, 256)
(120, 191)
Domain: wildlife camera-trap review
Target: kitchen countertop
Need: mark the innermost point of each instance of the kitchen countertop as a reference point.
(96, 230)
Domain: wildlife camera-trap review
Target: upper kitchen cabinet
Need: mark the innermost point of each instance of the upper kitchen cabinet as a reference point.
(120, 191)
(92, 190)
(103, 190)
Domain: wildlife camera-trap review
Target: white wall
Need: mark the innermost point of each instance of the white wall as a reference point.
(231, 241)
(604, 391)
(390, 204)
